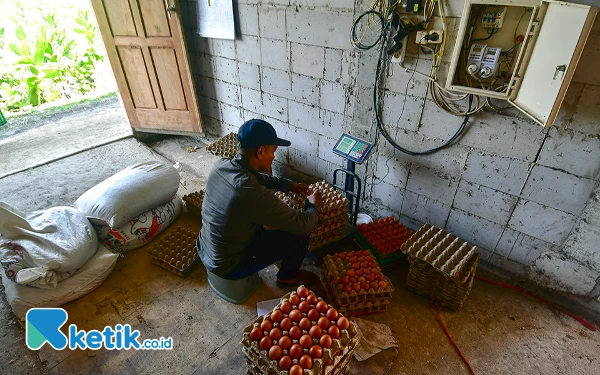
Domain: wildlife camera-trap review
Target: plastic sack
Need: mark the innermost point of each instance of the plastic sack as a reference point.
(129, 193)
(83, 281)
(43, 247)
(141, 229)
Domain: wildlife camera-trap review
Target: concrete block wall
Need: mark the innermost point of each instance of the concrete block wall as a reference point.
(527, 196)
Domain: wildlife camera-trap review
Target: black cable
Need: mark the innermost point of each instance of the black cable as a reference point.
(383, 131)
(356, 41)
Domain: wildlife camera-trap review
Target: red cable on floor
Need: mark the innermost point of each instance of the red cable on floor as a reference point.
(432, 304)
(580, 320)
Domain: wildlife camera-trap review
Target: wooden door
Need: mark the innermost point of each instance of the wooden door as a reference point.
(146, 48)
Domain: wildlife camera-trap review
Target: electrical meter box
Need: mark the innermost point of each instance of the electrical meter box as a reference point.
(522, 51)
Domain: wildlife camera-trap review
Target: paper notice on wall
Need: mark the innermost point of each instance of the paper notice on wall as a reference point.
(215, 19)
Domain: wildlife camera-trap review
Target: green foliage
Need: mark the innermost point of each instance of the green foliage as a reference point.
(47, 58)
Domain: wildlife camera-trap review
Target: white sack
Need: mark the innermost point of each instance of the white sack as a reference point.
(129, 193)
(141, 229)
(86, 279)
(43, 247)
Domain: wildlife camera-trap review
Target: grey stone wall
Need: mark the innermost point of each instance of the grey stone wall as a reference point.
(527, 196)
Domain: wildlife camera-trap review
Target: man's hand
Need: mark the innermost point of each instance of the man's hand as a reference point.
(316, 200)
(299, 188)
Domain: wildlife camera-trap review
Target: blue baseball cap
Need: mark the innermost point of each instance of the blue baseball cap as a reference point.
(255, 133)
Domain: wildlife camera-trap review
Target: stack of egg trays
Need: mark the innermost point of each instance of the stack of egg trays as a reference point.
(193, 202)
(262, 364)
(360, 307)
(226, 146)
(333, 218)
(441, 265)
(175, 252)
(334, 269)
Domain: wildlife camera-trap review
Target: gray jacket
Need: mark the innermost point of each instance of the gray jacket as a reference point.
(237, 203)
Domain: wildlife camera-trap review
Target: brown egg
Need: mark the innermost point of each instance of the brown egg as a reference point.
(285, 342)
(275, 352)
(322, 307)
(313, 315)
(312, 299)
(304, 306)
(323, 322)
(332, 314)
(295, 315)
(305, 341)
(343, 323)
(256, 334)
(315, 351)
(316, 332)
(286, 324)
(302, 291)
(286, 307)
(304, 324)
(266, 325)
(296, 370)
(334, 332)
(276, 316)
(295, 332)
(285, 363)
(325, 341)
(275, 334)
(296, 351)
(306, 361)
(295, 300)
(265, 343)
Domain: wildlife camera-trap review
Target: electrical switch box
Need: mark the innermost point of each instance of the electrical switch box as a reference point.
(521, 51)
(493, 17)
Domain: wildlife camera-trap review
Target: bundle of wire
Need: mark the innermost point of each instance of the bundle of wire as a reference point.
(381, 14)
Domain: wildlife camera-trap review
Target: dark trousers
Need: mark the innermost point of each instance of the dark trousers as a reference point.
(268, 247)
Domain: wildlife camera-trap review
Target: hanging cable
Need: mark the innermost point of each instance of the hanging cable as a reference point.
(382, 129)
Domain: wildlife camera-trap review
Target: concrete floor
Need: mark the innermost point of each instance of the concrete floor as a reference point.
(500, 331)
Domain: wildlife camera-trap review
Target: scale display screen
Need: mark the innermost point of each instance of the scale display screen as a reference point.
(352, 148)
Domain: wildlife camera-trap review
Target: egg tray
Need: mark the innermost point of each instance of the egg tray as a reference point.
(193, 202)
(383, 259)
(337, 215)
(258, 366)
(334, 202)
(317, 242)
(341, 368)
(297, 202)
(345, 344)
(226, 146)
(383, 262)
(362, 307)
(176, 252)
(334, 269)
(443, 251)
(382, 233)
(332, 198)
(293, 200)
(332, 228)
(450, 292)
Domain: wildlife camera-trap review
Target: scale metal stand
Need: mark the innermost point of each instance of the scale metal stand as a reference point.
(354, 150)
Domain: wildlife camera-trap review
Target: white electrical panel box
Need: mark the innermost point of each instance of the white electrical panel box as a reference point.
(523, 51)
